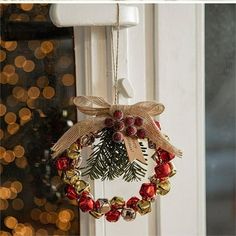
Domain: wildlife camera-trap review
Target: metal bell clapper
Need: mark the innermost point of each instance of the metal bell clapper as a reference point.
(103, 205)
(128, 214)
(73, 151)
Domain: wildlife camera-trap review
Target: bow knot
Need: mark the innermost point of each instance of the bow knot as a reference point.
(100, 109)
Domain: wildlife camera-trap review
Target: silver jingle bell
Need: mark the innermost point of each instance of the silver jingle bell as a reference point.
(103, 205)
(128, 214)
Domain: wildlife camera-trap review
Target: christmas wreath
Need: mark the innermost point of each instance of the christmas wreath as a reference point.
(117, 135)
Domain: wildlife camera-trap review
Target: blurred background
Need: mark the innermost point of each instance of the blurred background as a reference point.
(37, 81)
(220, 59)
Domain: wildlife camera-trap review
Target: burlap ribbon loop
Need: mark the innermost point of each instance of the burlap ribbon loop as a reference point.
(100, 109)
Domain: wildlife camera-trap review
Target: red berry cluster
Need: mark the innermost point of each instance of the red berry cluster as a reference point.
(129, 125)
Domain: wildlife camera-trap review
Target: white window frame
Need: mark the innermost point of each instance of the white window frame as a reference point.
(163, 57)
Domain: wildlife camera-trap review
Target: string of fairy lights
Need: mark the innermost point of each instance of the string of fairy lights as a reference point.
(35, 75)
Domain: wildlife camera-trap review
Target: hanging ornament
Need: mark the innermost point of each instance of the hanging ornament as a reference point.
(117, 134)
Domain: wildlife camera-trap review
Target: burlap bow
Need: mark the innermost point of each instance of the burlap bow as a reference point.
(100, 110)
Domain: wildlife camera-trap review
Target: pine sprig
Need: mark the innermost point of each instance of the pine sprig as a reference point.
(109, 160)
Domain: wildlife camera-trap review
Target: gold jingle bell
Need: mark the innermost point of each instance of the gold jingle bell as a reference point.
(173, 169)
(163, 187)
(128, 214)
(96, 214)
(73, 151)
(143, 207)
(117, 202)
(81, 186)
(74, 179)
(77, 162)
(70, 173)
(71, 176)
(153, 179)
(103, 205)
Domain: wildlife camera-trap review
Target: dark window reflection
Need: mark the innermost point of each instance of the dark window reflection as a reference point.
(221, 118)
(37, 82)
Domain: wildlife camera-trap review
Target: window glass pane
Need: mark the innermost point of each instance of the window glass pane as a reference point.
(37, 82)
(221, 118)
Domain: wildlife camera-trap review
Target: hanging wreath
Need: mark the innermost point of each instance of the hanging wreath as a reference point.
(117, 135)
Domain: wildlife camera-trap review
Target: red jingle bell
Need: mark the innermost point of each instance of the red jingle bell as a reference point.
(113, 215)
(86, 203)
(63, 163)
(148, 190)
(166, 156)
(70, 192)
(163, 170)
(132, 203)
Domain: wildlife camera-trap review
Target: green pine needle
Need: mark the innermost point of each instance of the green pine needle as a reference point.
(109, 160)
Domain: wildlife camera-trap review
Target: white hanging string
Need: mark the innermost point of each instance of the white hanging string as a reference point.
(115, 57)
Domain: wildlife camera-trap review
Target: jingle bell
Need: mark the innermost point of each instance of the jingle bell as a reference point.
(86, 203)
(117, 203)
(143, 207)
(74, 179)
(113, 215)
(70, 192)
(163, 187)
(148, 191)
(173, 169)
(132, 203)
(76, 163)
(70, 173)
(81, 186)
(153, 179)
(65, 178)
(63, 163)
(128, 214)
(73, 151)
(102, 205)
(163, 170)
(96, 214)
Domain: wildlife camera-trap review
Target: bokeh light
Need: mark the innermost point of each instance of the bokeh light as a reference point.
(46, 47)
(19, 151)
(10, 118)
(13, 128)
(35, 76)
(68, 80)
(33, 92)
(3, 109)
(25, 114)
(19, 61)
(48, 92)
(26, 7)
(42, 81)
(10, 222)
(2, 55)
(28, 66)
(17, 185)
(17, 204)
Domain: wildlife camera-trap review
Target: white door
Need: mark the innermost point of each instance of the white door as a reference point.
(163, 59)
